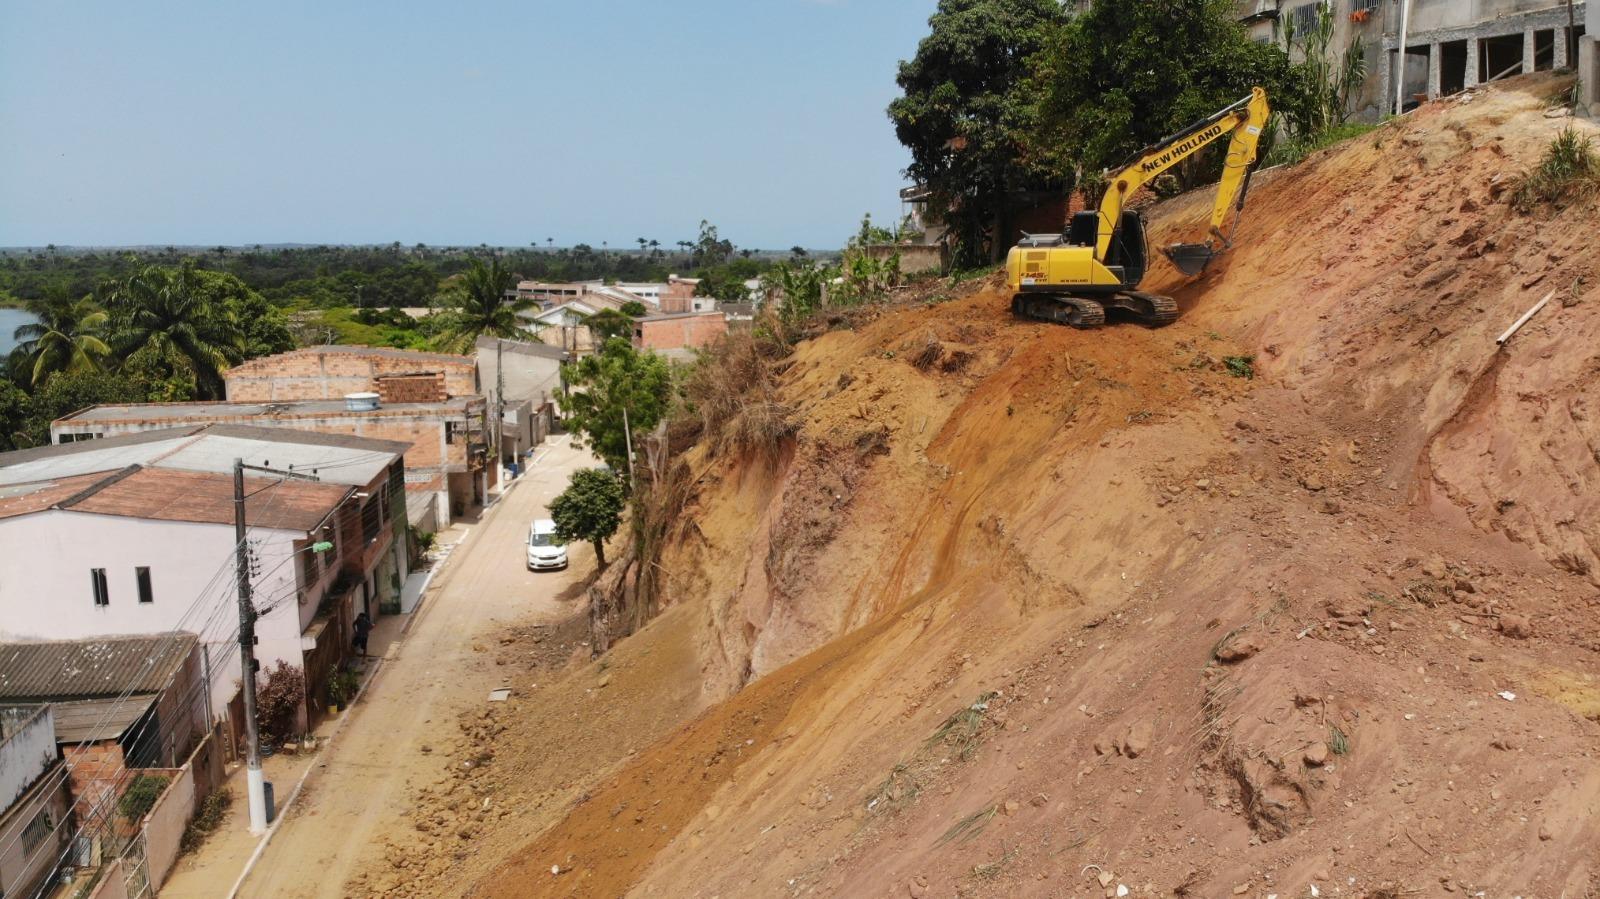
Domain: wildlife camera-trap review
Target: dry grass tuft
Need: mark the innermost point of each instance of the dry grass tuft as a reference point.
(733, 391)
(1569, 171)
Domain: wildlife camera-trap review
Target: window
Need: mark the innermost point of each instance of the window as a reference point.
(1303, 19)
(371, 519)
(142, 575)
(310, 571)
(37, 829)
(97, 579)
(1367, 6)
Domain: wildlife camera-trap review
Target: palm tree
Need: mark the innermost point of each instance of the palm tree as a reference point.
(65, 338)
(483, 306)
(162, 315)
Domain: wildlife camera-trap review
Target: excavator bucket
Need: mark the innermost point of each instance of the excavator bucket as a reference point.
(1190, 258)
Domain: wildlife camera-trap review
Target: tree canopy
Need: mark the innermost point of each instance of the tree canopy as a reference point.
(589, 509)
(180, 323)
(616, 378)
(964, 119)
(1121, 76)
(66, 337)
(480, 305)
(609, 323)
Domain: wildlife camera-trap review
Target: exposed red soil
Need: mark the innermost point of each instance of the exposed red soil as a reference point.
(1215, 636)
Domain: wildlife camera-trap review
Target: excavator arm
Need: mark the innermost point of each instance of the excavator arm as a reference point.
(1242, 122)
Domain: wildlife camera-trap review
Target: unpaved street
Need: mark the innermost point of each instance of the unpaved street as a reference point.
(439, 668)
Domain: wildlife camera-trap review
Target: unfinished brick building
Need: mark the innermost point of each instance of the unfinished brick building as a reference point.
(331, 372)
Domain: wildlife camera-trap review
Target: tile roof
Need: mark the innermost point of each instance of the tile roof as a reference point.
(51, 670)
(163, 494)
(25, 499)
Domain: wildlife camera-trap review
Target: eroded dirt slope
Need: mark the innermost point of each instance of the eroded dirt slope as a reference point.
(1024, 608)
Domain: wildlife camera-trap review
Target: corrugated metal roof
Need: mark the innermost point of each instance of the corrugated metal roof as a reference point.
(199, 412)
(57, 670)
(335, 458)
(94, 720)
(526, 348)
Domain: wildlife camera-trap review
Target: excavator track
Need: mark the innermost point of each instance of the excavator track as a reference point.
(1076, 312)
(1148, 309)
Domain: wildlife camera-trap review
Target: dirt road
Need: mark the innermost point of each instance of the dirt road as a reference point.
(440, 668)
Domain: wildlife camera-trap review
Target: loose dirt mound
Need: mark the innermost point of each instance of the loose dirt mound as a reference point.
(1031, 611)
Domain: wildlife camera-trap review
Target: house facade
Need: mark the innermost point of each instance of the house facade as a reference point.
(35, 805)
(678, 336)
(134, 535)
(1450, 45)
(532, 382)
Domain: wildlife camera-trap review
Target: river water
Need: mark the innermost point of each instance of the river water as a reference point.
(10, 320)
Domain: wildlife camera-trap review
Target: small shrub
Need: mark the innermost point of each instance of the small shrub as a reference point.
(1337, 741)
(278, 700)
(1568, 171)
(213, 810)
(1241, 366)
(141, 796)
(342, 686)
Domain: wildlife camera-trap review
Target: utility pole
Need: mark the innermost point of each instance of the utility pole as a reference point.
(499, 403)
(627, 436)
(256, 781)
(1400, 58)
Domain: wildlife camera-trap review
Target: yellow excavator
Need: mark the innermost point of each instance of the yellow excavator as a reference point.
(1073, 278)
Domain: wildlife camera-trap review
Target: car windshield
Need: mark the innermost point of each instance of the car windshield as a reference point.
(543, 540)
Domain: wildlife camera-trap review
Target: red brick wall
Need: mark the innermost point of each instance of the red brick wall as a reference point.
(419, 387)
(95, 774)
(675, 333)
(677, 297)
(312, 375)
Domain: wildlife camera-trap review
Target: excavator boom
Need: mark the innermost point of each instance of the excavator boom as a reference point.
(1076, 276)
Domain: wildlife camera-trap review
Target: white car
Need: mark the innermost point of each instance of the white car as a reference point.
(545, 550)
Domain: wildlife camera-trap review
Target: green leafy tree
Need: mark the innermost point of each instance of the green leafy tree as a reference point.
(1121, 76)
(617, 378)
(609, 323)
(13, 416)
(963, 116)
(725, 284)
(66, 337)
(635, 309)
(589, 509)
(64, 393)
(169, 318)
(482, 306)
(710, 249)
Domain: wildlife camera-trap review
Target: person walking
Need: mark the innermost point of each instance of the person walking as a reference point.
(363, 627)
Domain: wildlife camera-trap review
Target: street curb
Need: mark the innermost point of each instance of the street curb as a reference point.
(416, 613)
(294, 794)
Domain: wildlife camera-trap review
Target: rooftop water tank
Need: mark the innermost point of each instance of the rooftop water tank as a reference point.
(361, 402)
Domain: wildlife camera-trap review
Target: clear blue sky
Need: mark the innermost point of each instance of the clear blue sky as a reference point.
(453, 122)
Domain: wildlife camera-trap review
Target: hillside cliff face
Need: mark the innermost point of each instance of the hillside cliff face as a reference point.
(1023, 610)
